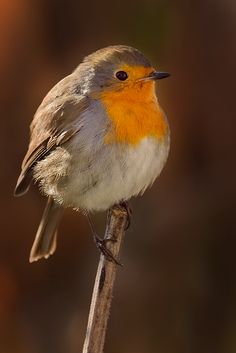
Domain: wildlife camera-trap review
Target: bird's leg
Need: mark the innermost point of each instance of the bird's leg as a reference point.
(101, 243)
(129, 212)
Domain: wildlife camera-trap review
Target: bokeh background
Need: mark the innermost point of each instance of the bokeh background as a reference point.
(177, 290)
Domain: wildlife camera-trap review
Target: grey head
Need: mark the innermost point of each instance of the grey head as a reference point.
(98, 70)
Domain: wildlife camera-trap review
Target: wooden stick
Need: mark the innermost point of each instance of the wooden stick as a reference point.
(103, 286)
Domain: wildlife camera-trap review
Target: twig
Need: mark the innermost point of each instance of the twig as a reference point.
(103, 286)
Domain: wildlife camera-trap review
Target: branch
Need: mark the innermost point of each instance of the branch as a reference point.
(103, 286)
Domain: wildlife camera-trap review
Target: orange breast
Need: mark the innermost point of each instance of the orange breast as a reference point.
(134, 112)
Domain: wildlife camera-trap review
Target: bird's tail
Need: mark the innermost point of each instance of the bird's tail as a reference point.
(46, 238)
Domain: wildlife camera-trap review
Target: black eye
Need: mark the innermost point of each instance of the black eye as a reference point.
(122, 75)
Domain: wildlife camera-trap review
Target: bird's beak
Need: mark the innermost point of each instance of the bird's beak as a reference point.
(158, 75)
(155, 75)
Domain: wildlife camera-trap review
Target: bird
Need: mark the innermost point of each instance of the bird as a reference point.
(98, 138)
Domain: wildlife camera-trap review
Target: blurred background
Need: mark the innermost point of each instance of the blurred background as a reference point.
(177, 290)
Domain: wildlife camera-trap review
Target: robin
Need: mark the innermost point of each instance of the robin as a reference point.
(98, 138)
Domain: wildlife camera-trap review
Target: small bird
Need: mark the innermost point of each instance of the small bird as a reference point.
(98, 138)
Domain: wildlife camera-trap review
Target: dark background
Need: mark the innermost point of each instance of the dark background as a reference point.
(177, 290)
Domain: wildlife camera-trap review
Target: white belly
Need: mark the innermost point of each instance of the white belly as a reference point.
(116, 174)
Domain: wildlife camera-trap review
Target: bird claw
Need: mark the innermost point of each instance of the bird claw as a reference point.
(101, 245)
(129, 212)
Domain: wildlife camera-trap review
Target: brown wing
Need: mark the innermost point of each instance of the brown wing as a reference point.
(54, 123)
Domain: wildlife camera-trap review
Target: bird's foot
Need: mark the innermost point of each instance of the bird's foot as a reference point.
(129, 212)
(102, 246)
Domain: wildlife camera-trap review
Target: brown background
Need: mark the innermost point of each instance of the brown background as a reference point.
(177, 290)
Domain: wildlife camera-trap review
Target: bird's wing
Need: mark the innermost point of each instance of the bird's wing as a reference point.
(55, 122)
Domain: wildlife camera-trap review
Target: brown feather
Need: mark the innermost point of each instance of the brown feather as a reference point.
(54, 123)
(45, 241)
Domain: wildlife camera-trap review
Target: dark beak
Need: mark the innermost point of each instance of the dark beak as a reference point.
(158, 75)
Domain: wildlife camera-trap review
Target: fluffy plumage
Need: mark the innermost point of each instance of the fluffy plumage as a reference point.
(95, 141)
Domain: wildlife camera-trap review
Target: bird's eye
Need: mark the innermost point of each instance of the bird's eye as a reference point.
(122, 75)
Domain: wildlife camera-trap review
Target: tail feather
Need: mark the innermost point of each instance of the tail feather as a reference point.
(46, 238)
